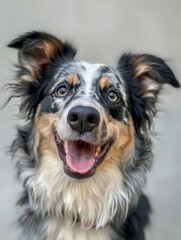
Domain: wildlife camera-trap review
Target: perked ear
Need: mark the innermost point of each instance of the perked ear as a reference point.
(36, 50)
(145, 75)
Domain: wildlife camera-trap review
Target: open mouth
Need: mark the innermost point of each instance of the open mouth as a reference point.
(80, 158)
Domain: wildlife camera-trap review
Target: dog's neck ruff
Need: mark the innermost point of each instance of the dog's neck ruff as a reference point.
(92, 203)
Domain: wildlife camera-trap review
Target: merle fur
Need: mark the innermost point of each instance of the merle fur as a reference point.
(32, 94)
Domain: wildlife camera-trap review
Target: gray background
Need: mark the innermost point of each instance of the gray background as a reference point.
(102, 30)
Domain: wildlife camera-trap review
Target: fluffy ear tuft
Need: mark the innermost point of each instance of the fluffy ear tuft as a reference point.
(144, 75)
(36, 50)
(151, 71)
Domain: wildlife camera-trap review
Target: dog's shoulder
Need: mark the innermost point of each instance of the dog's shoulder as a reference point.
(138, 220)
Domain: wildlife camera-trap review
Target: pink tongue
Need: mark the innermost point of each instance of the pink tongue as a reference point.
(80, 157)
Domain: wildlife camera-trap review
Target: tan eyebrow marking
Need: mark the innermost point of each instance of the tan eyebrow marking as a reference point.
(73, 79)
(105, 82)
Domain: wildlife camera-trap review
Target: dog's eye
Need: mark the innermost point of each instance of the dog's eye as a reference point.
(113, 96)
(61, 91)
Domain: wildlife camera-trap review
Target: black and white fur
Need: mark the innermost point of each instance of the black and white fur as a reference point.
(108, 203)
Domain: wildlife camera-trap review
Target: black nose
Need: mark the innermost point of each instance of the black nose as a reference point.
(83, 119)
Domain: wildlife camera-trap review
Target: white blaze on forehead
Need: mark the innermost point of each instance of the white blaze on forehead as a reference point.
(88, 75)
(87, 71)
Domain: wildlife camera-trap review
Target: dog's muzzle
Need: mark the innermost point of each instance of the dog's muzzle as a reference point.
(81, 157)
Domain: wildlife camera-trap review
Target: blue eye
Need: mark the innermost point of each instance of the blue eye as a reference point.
(113, 96)
(61, 91)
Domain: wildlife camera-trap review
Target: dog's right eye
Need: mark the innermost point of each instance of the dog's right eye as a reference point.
(62, 91)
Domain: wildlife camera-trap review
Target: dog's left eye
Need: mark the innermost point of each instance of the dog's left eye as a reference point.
(113, 96)
(61, 91)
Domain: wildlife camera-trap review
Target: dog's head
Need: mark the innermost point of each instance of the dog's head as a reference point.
(86, 116)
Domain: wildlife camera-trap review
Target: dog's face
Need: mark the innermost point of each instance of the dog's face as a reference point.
(84, 112)
(86, 115)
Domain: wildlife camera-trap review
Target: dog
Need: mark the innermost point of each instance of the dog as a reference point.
(85, 146)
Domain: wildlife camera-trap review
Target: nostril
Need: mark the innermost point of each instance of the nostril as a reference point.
(92, 119)
(73, 117)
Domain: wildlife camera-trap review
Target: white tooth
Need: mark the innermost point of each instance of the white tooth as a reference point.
(66, 147)
(98, 149)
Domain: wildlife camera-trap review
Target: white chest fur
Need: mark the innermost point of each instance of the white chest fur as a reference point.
(94, 201)
(61, 231)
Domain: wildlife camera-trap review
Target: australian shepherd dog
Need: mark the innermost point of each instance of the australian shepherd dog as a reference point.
(84, 148)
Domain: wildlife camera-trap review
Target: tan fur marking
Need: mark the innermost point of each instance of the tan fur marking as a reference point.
(49, 49)
(141, 65)
(105, 82)
(44, 136)
(31, 75)
(145, 75)
(123, 145)
(72, 79)
(141, 69)
(27, 78)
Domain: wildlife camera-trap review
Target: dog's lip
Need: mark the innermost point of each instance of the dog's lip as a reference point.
(100, 153)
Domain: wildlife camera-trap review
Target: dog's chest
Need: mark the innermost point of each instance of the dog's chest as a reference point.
(61, 231)
(82, 211)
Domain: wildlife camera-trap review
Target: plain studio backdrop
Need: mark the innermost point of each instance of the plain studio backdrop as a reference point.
(102, 30)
